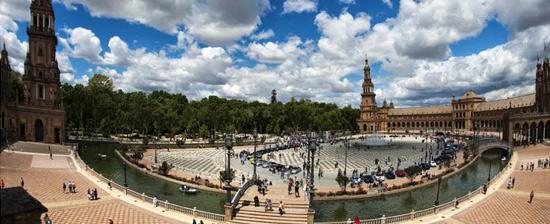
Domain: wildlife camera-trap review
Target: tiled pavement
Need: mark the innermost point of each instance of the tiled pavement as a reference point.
(99, 212)
(43, 180)
(511, 205)
(504, 207)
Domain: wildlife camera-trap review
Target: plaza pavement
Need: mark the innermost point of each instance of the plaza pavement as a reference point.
(43, 179)
(208, 162)
(501, 205)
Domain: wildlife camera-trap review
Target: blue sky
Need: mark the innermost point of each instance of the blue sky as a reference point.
(420, 52)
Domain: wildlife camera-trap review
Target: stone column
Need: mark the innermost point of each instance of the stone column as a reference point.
(228, 213)
(310, 216)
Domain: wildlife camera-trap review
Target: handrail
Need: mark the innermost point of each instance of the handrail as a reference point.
(428, 211)
(219, 218)
(240, 193)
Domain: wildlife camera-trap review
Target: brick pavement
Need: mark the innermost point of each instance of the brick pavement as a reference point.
(45, 184)
(511, 206)
(502, 207)
(99, 212)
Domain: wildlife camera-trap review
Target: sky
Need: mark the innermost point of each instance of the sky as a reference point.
(421, 52)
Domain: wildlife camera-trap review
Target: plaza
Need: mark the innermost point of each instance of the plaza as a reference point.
(275, 112)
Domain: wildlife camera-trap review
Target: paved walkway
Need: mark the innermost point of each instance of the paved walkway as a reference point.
(511, 205)
(43, 179)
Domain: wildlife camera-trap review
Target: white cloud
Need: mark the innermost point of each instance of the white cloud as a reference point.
(347, 1)
(520, 15)
(213, 22)
(82, 43)
(273, 52)
(299, 6)
(388, 3)
(266, 34)
(15, 9)
(339, 34)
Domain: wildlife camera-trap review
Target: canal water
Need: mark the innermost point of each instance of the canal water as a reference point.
(458, 185)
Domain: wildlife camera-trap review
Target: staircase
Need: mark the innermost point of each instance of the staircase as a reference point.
(253, 215)
(296, 209)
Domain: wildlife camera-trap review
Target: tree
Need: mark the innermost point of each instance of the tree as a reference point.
(165, 168)
(342, 181)
(412, 172)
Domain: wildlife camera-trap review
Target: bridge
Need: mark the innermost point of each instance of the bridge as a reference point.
(487, 143)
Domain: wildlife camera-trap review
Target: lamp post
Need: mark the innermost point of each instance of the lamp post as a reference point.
(255, 135)
(228, 146)
(156, 149)
(125, 179)
(346, 156)
(312, 147)
(436, 203)
(489, 175)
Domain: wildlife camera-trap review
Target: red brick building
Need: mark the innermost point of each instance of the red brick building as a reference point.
(39, 116)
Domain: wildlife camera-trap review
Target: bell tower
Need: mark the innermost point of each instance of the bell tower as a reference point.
(41, 76)
(368, 118)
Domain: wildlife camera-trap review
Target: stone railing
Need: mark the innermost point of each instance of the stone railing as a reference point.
(235, 200)
(428, 211)
(193, 212)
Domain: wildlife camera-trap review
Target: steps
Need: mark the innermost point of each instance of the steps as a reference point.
(251, 214)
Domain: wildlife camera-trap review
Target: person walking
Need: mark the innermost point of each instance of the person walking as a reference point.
(297, 190)
(1, 184)
(64, 187)
(281, 208)
(50, 150)
(111, 221)
(531, 195)
(47, 219)
(155, 201)
(22, 183)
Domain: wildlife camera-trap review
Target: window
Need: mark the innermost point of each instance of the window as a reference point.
(40, 92)
(40, 52)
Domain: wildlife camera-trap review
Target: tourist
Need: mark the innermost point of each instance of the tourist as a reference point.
(513, 182)
(1, 184)
(266, 205)
(22, 183)
(194, 221)
(281, 208)
(64, 187)
(50, 150)
(47, 219)
(256, 201)
(297, 190)
(109, 184)
(356, 220)
(349, 221)
(531, 195)
(111, 221)
(201, 222)
(155, 201)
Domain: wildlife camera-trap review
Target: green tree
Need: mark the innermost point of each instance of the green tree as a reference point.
(165, 168)
(342, 181)
(412, 172)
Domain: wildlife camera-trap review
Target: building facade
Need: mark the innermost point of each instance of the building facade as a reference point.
(39, 116)
(520, 119)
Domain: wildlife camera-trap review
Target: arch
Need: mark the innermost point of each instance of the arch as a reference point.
(364, 127)
(547, 130)
(38, 131)
(540, 132)
(533, 133)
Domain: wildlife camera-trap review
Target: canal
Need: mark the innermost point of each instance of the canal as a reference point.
(455, 186)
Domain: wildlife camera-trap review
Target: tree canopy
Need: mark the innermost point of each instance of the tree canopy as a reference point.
(99, 108)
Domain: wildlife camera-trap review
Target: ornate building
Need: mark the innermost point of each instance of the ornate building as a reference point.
(519, 119)
(39, 116)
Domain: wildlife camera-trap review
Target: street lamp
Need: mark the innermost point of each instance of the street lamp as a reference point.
(489, 176)
(255, 135)
(346, 142)
(436, 203)
(156, 149)
(125, 179)
(312, 147)
(228, 146)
